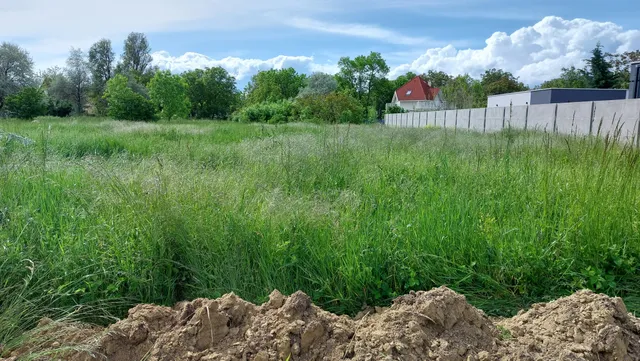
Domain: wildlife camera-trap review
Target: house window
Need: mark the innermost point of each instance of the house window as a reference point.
(408, 92)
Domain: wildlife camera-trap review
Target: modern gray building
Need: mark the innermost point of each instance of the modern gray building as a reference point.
(555, 95)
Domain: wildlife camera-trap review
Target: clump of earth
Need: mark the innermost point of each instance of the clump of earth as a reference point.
(435, 325)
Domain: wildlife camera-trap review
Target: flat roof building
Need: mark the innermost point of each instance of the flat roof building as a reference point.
(554, 95)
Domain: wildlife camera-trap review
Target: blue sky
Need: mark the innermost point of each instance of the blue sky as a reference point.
(533, 39)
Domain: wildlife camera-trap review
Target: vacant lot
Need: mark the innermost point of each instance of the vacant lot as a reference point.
(111, 213)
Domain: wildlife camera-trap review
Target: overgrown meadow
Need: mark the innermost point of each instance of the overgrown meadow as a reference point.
(107, 214)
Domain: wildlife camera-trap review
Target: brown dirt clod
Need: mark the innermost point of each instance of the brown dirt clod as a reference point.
(435, 325)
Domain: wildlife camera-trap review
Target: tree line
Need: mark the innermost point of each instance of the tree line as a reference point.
(129, 87)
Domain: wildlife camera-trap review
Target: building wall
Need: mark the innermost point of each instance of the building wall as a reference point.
(410, 105)
(504, 100)
(586, 95)
(541, 97)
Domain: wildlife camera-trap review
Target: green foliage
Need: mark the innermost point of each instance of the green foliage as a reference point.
(212, 93)
(59, 108)
(319, 84)
(101, 64)
(332, 108)
(438, 79)
(600, 69)
(364, 78)
(498, 81)
(570, 78)
(395, 109)
(620, 66)
(26, 104)
(274, 85)
(272, 113)
(79, 79)
(125, 104)
(16, 70)
(169, 93)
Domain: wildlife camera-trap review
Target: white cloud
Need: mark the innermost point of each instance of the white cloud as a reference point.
(534, 53)
(242, 69)
(358, 30)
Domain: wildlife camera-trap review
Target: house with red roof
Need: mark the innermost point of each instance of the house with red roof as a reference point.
(417, 95)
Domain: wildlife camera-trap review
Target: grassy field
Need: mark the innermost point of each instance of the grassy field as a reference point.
(107, 214)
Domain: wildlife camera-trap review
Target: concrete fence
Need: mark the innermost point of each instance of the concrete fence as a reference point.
(616, 117)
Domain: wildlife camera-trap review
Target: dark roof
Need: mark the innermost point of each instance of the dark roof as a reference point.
(417, 89)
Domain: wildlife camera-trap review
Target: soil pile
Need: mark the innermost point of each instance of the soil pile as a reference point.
(435, 325)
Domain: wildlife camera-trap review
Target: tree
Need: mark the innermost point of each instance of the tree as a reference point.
(169, 93)
(16, 70)
(361, 76)
(498, 81)
(137, 53)
(600, 69)
(126, 104)
(330, 108)
(27, 104)
(620, 64)
(212, 93)
(58, 91)
(136, 59)
(319, 84)
(569, 78)
(101, 60)
(274, 85)
(77, 72)
(437, 79)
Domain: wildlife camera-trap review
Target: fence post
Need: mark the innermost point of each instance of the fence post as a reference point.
(413, 117)
(469, 121)
(455, 127)
(555, 118)
(526, 117)
(593, 113)
(484, 124)
(444, 124)
(504, 112)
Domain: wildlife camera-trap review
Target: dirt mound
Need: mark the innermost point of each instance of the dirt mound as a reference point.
(435, 325)
(584, 326)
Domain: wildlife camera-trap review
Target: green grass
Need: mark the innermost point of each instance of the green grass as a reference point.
(115, 213)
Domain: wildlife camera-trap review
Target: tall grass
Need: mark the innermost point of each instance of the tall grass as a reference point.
(352, 215)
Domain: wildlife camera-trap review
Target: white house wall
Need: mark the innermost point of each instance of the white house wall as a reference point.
(504, 100)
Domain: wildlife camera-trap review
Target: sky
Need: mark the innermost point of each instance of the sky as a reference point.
(533, 39)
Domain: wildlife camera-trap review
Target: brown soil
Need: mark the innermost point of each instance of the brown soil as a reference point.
(435, 325)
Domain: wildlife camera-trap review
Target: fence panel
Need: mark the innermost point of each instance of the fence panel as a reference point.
(617, 115)
(477, 119)
(541, 117)
(495, 119)
(516, 117)
(431, 119)
(450, 119)
(574, 118)
(440, 118)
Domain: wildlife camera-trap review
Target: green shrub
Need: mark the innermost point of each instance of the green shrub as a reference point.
(59, 108)
(331, 108)
(395, 109)
(125, 103)
(272, 113)
(27, 104)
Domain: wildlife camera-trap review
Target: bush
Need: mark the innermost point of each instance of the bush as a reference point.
(59, 108)
(395, 109)
(27, 104)
(331, 108)
(125, 104)
(268, 112)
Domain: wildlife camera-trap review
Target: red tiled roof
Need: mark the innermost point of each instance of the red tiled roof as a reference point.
(417, 89)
